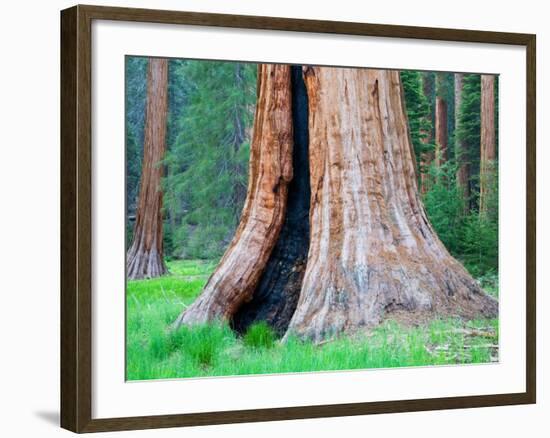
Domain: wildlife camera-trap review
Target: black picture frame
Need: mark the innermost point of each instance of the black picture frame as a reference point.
(76, 218)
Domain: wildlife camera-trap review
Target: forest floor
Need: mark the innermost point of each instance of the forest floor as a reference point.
(153, 352)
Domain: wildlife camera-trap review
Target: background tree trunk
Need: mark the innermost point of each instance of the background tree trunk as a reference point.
(487, 143)
(237, 275)
(441, 134)
(428, 88)
(372, 250)
(145, 256)
(463, 171)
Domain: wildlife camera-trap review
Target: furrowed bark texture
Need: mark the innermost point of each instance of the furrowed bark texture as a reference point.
(372, 250)
(238, 273)
(463, 171)
(145, 256)
(276, 296)
(488, 150)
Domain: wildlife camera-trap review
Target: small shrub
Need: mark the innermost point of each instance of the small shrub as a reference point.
(259, 335)
(471, 237)
(444, 205)
(480, 245)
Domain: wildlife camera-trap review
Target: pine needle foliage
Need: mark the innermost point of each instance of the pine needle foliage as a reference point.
(207, 165)
(418, 115)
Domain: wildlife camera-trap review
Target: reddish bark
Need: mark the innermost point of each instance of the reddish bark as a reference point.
(426, 158)
(145, 256)
(441, 135)
(237, 275)
(372, 249)
(276, 295)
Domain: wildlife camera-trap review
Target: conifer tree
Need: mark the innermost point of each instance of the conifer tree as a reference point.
(208, 159)
(487, 141)
(419, 118)
(468, 131)
(135, 99)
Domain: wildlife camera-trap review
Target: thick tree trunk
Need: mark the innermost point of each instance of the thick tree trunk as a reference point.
(441, 136)
(372, 250)
(276, 296)
(145, 256)
(238, 273)
(487, 143)
(463, 170)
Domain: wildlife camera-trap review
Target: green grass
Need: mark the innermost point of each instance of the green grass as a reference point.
(154, 352)
(259, 336)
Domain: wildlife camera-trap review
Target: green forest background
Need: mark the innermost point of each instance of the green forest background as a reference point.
(210, 114)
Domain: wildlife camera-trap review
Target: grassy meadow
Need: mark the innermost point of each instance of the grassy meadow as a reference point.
(154, 352)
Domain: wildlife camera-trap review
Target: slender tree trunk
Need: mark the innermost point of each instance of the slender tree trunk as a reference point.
(427, 157)
(463, 171)
(372, 251)
(487, 143)
(238, 273)
(441, 135)
(145, 256)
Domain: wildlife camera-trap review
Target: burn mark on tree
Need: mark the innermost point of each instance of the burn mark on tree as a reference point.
(238, 273)
(275, 298)
(372, 249)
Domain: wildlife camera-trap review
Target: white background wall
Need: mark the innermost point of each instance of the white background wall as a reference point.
(29, 215)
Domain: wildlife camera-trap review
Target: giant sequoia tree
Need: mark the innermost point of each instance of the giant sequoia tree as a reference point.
(331, 152)
(145, 256)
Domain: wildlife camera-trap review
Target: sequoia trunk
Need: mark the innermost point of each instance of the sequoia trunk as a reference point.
(487, 140)
(463, 171)
(367, 249)
(238, 273)
(275, 298)
(372, 249)
(145, 256)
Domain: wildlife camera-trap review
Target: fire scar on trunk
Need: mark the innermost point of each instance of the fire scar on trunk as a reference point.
(333, 236)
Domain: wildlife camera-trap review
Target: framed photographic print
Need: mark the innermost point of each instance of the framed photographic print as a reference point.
(304, 218)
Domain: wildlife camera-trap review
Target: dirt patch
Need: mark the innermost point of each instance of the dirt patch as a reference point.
(409, 318)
